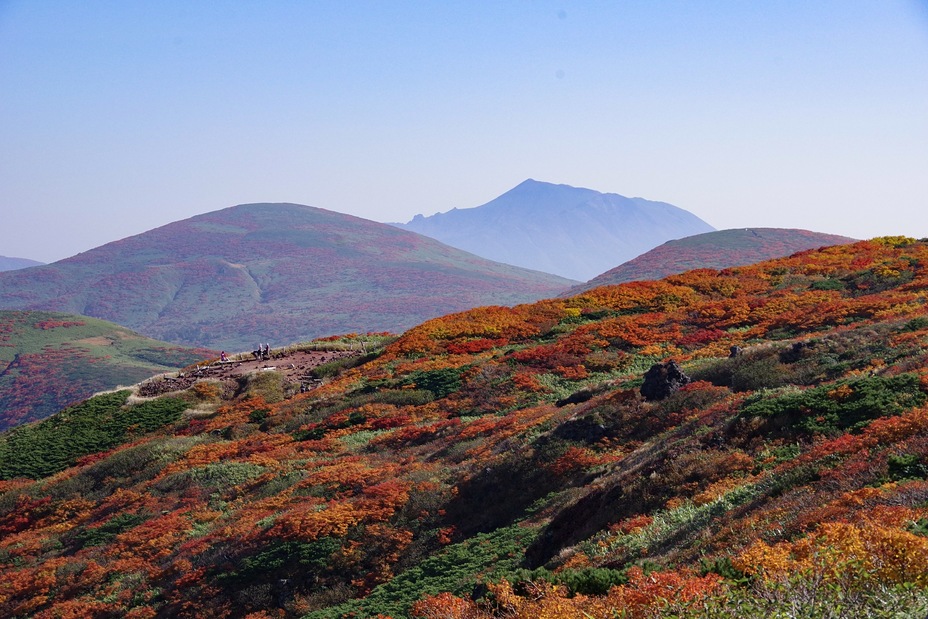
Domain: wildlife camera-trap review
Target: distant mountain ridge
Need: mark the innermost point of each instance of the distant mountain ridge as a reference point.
(8, 263)
(271, 272)
(721, 249)
(49, 360)
(572, 232)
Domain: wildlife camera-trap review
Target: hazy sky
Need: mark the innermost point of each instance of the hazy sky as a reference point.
(118, 117)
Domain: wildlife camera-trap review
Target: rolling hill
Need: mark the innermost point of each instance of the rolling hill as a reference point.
(274, 273)
(602, 455)
(50, 360)
(713, 250)
(573, 232)
(12, 264)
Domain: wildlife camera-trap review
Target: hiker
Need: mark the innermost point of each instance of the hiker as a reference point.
(222, 357)
(267, 351)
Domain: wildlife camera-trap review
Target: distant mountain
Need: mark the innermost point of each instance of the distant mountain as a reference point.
(714, 250)
(50, 360)
(572, 232)
(11, 264)
(274, 273)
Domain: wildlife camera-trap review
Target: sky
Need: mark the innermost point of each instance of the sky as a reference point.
(120, 116)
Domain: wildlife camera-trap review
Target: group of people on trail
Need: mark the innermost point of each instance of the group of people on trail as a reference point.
(262, 352)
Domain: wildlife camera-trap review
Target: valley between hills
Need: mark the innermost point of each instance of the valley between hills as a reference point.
(749, 441)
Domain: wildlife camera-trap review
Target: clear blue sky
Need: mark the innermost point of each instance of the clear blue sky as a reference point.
(120, 116)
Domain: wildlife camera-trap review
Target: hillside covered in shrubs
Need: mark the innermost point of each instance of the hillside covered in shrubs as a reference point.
(503, 462)
(50, 360)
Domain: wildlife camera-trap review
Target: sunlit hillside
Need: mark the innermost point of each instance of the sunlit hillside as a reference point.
(506, 462)
(278, 273)
(49, 360)
(715, 250)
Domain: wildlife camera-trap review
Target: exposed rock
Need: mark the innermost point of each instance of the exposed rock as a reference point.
(585, 430)
(662, 380)
(799, 350)
(575, 398)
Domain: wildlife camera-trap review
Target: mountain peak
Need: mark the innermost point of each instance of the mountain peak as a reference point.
(271, 271)
(571, 231)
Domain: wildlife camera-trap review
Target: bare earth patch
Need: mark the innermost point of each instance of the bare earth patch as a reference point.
(295, 366)
(95, 341)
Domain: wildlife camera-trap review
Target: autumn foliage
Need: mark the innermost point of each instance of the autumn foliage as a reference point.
(501, 462)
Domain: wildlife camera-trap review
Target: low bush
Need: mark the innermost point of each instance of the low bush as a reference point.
(107, 532)
(95, 425)
(840, 406)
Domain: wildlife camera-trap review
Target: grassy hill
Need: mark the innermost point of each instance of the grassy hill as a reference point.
(49, 360)
(275, 273)
(505, 462)
(713, 250)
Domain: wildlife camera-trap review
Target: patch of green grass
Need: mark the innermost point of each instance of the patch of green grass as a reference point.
(107, 532)
(360, 439)
(95, 425)
(840, 406)
(666, 524)
(486, 556)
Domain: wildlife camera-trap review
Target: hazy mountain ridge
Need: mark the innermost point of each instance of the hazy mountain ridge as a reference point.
(573, 232)
(49, 360)
(499, 451)
(11, 264)
(713, 250)
(278, 272)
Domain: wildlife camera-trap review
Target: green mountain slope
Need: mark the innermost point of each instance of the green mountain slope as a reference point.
(713, 250)
(49, 360)
(274, 273)
(518, 462)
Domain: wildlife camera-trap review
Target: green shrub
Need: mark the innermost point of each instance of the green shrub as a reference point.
(334, 368)
(493, 555)
(107, 532)
(723, 567)
(906, 466)
(267, 384)
(585, 581)
(840, 406)
(916, 324)
(303, 560)
(218, 477)
(440, 382)
(95, 425)
(750, 371)
(311, 434)
(919, 527)
(258, 415)
(403, 397)
(591, 580)
(828, 284)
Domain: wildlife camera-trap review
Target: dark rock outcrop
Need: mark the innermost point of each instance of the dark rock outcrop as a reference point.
(662, 380)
